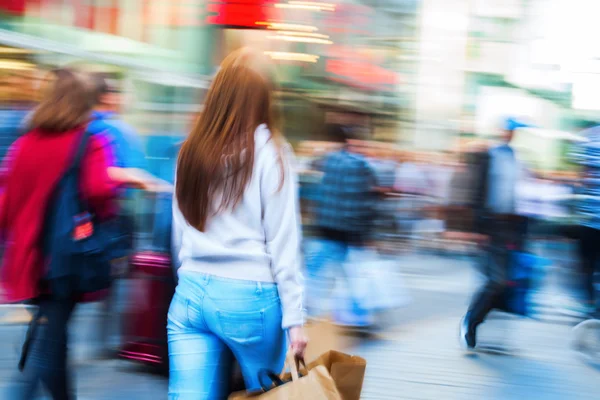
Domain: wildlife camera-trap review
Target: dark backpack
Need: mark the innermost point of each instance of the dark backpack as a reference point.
(479, 162)
(82, 252)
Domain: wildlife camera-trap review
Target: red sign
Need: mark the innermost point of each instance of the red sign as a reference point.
(15, 7)
(84, 14)
(361, 73)
(240, 13)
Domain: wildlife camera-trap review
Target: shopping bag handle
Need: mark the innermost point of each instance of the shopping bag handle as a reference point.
(269, 380)
(294, 362)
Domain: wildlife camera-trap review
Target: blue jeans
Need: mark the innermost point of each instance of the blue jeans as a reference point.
(210, 318)
(324, 259)
(46, 362)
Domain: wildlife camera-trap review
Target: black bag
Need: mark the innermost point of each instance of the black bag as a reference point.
(479, 164)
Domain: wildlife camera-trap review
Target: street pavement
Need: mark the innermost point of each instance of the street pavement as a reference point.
(416, 357)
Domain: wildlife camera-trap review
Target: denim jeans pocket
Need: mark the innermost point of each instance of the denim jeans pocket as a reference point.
(242, 327)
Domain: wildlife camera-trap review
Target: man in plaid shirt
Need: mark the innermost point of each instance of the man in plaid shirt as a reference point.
(345, 213)
(345, 204)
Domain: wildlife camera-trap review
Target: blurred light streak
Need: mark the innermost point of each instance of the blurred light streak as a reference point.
(300, 39)
(290, 27)
(285, 56)
(12, 50)
(306, 34)
(16, 65)
(313, 3)
(305, 7)
(555, 134)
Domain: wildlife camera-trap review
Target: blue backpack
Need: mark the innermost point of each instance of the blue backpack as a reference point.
(524, 274)
(83, 253)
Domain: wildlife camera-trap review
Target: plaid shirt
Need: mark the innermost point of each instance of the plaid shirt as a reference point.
(587, 155)
(345, 199)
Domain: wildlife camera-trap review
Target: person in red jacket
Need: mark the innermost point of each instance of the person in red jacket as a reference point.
(29, 174)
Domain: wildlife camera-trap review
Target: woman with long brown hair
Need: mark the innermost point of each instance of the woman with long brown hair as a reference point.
(236, 238)
(31, 171)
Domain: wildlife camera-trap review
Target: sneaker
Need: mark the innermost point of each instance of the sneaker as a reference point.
(467, 336)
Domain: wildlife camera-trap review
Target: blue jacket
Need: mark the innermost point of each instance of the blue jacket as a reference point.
(126, 144)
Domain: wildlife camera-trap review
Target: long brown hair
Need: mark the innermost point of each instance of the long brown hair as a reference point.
(217, 158)
(66, 103)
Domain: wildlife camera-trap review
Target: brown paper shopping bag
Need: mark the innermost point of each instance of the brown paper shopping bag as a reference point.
(316, 384)
(324, 336)
(348, 372)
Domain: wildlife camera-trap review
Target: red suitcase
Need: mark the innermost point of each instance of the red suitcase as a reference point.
(145, 322)
(152, 287)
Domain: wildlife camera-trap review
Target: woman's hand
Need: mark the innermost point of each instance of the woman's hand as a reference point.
(298, 340)
(126, 177)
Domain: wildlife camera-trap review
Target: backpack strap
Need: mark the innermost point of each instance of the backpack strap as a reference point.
(75, 166)
(79, 151)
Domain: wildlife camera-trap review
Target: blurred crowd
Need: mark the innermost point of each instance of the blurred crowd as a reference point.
(439, 186)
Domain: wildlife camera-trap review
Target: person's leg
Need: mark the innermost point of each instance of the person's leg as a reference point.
(113, 326)
(253, 351)
(356, 255)
(106, 320)
(199, 362)
(491, 295)
(321, 255)
(247, 316)
(350, 255)
(591, 281)
(587, 260)
(46, 362)
(488, 298)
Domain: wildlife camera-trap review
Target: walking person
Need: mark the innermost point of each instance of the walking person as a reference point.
(126, 147)
(106, 119)
(345, 215)
(236, 238)
(31, 172)
(495, 206)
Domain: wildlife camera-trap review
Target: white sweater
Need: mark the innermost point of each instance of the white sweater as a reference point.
(259, 240)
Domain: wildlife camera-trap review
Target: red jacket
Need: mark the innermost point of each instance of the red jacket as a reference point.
(31, 171)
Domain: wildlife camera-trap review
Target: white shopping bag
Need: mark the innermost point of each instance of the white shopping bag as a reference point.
(373, 282)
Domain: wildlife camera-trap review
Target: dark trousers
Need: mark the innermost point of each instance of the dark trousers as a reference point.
(505, 235)
(589, 254)
(46, 361)
(348, 238)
